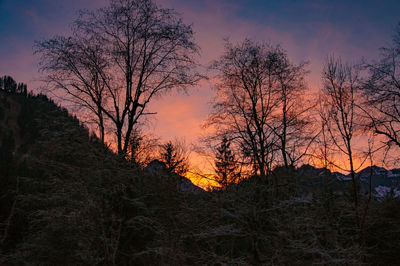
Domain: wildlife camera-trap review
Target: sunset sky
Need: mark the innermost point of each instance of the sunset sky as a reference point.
(308, 30)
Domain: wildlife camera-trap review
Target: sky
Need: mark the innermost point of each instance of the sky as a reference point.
(307, 30)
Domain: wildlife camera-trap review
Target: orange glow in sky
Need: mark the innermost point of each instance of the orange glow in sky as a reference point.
(308, 30)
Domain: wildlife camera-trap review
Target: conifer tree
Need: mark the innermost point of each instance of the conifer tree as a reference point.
(8, 84)
(175, 157)
(226, 166)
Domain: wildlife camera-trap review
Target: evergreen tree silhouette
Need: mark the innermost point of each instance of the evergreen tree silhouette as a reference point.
(225, 164)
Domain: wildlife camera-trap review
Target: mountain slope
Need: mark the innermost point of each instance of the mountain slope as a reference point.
(382, 182)
(65, 194)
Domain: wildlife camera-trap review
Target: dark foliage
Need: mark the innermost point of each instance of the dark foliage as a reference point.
(67, 200)
(8, 84)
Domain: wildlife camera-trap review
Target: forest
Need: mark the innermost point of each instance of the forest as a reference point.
(300, 176)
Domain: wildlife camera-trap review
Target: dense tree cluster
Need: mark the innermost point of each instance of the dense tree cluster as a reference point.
(68, 200)
(8, 84)
(260, 106)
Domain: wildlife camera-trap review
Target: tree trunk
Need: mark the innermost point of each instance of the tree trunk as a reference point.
(119, 140)
(101, 125)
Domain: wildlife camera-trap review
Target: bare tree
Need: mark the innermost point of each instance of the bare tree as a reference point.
(322, 148)
(256, 104)
(382, 91)
(118, 59)
(341, 87)
(245, 103)
(142, 148)
(74, 65)
(292, 121)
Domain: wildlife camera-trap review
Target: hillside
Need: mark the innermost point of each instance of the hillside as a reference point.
(61, 189)
(68, 200)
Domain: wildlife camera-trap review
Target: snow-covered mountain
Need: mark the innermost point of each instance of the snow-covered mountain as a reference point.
(383, 183)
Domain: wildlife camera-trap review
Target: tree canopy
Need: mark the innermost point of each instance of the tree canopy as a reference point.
(118, 59)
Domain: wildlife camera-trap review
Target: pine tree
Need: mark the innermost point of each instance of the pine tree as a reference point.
(9, 84)
(175, 157)
(226, 166)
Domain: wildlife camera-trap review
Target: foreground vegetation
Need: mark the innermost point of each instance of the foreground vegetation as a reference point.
(67, 200)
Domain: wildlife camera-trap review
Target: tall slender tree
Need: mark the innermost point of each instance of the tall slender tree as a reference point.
(292, 124)
(341, 90)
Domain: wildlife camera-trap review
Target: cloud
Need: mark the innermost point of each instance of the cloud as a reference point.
(181, 115)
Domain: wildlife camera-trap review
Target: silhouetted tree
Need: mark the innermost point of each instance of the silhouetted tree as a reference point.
(118, 59)
(245, 104)
(258, 105)
(175, 157)
(76, 66)
(292, 124)
(341, 93)
(8, 84)
(226, 166)
(382, 91)
(322, 148)
(22, 88)
(142, 148)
